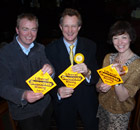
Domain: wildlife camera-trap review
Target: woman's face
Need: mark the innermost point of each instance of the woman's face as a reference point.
(121, 42)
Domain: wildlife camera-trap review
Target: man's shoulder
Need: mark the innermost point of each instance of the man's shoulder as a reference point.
(54, 44)
(39, 47)
(86, 40)
(6, 47)
(8, 52)
(39, 44)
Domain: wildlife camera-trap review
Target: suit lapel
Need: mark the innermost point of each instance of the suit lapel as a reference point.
(64, 56)
(81, 48)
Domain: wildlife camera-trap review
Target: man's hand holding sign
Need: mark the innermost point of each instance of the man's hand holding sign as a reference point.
(73, 76)
(81, 67)
(40, 83)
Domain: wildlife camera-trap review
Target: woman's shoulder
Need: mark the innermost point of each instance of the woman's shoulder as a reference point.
(135, 64)
(110, 55)
(136, 59)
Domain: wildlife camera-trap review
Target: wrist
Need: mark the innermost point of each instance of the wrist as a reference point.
(88, 73)
(23, 100)
(23, 96)
(117, 85)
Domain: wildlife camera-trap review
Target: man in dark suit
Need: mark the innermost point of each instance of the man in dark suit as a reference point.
(82, 101)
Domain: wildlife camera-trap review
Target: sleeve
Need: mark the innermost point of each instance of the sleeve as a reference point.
(45, 60)
(105, 63)
(91, 62)
(132, 83)
(48, 53)
(8, 90)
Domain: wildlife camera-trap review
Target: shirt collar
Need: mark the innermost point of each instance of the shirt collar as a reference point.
(68, 44)
(25, 50)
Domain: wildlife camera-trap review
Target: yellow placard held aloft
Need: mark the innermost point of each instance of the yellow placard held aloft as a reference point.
(110, 76)
(70, 78)
(41, 83)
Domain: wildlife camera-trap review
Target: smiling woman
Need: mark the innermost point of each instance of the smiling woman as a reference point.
(116, 104)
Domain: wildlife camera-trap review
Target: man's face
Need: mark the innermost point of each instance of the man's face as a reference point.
(70, 28)
(27, 32)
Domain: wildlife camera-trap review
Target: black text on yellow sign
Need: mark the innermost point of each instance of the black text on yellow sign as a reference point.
(70, 78)
(41, 83)
(109, 75)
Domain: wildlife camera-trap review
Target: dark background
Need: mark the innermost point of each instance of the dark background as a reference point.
(97, 15)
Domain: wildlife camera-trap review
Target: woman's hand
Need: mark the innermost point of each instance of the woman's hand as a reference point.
(119, 68)
(103, 87)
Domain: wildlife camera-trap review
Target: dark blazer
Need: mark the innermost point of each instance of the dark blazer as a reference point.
(84, 95)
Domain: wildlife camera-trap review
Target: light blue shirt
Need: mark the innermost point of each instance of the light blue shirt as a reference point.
(25, 50)
(68, 45)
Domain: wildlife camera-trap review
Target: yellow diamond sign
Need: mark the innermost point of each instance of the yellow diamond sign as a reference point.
(41, 83)
(70, 78)
(109, 75)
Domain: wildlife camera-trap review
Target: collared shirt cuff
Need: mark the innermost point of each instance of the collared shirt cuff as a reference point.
(88, 79)
(59, 97)
(23, 102)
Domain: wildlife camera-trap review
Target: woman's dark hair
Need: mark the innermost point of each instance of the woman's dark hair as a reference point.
(121, 27)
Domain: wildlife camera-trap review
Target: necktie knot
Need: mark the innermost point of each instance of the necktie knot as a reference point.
(71, 54)
(71, 47)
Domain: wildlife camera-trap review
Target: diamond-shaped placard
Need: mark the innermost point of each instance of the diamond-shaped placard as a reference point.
(41, 83)
(70, 78)
(109, 75)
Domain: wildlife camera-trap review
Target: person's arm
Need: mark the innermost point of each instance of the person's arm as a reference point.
(31, 97)
(121, 92)
(47, 66)
(8, 90)
(82, 68)
(102, 87)
(65, 92)
(131, 84)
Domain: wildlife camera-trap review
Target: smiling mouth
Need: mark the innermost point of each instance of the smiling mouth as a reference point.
(120, 47)
(29, 38)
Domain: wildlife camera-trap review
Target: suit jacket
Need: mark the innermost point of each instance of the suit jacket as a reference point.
(58, 55)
